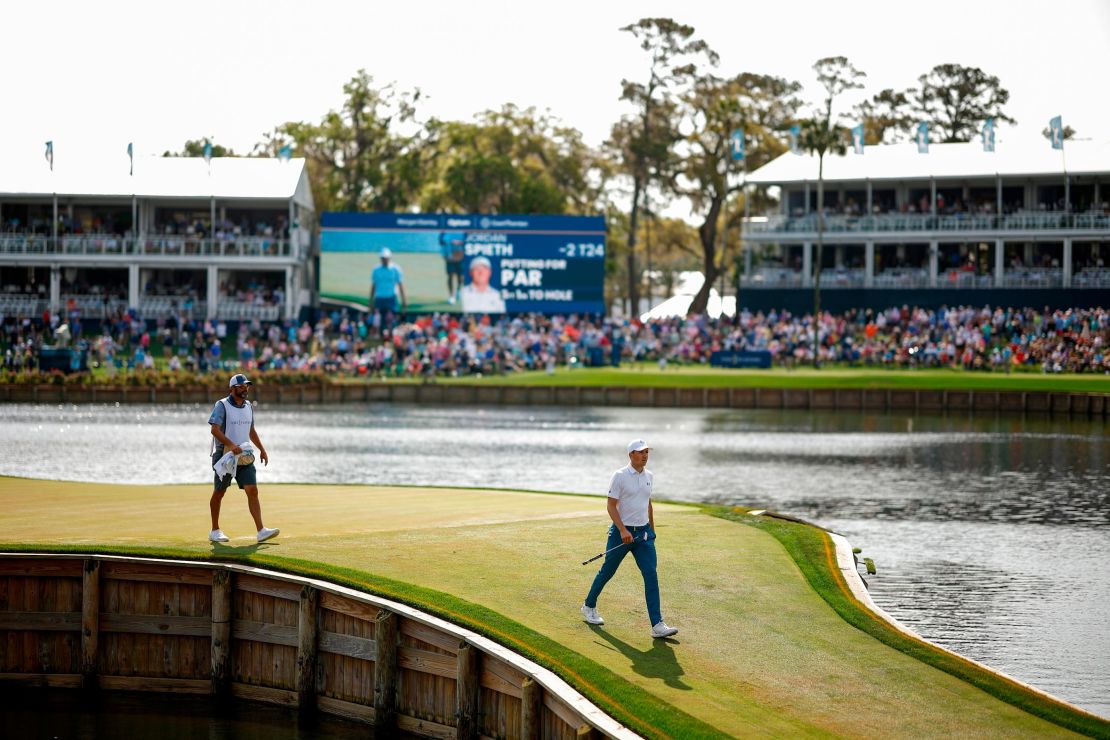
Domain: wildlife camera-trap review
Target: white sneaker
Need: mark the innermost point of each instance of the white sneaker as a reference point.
(661, 629)
(591, 615)
(217, 535)
(451, 300)
(267, 533)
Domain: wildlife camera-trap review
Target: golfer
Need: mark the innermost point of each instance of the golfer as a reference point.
(478, 296)
(232, 424)
(633, 530)
(386, 284)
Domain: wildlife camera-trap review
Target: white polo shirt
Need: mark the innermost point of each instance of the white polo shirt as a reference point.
(633, 493)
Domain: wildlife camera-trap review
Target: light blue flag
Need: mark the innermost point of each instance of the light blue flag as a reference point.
(285, 153)
(857, 139)
(736, 145)
(50, 154)
(922, 138)
(988, 135)
(795, 133)
(1056, 132)
(131, 156)
(208, 152)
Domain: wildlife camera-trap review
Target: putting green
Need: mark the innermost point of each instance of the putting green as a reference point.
(759, 652)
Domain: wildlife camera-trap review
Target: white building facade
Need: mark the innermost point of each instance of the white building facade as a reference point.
(230, 238)
(1025, 224)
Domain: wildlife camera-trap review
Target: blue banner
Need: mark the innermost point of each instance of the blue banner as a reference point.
(922, 138)
(795, 134)
(988, 135)
(478, 263)
(741, 358)
(857, 139)
(1056, 132)
(736, 145)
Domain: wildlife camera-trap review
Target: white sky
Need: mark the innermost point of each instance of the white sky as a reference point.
(100, 74)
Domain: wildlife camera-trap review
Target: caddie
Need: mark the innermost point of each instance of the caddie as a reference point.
(232, 424)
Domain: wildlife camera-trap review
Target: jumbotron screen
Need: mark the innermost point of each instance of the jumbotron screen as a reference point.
(468, 264)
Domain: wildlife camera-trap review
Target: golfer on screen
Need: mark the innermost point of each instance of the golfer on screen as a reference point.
(633, 530)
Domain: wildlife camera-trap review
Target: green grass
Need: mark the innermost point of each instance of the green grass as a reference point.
(810, 549)
(770, 643)
(702, 376)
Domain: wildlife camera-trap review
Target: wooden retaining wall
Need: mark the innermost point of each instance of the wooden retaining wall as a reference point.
(141, 624)
(1082, 405)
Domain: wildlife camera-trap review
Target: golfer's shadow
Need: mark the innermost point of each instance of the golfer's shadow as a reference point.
(220, 548)
(658, 662)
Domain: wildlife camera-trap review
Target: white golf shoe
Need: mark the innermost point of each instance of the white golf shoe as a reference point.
(217, 535)
(662, 629)
(591, 615)
(267, 533)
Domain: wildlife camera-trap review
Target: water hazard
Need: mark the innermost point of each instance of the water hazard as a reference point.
(990, 533)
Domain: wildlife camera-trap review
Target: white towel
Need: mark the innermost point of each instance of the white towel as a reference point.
(228, 464)
(225, 466)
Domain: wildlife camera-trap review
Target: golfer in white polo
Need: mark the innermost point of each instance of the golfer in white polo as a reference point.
(633, 530)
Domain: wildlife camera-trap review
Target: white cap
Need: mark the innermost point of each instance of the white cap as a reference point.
(637, 445)
(480, 261)
(386, 253)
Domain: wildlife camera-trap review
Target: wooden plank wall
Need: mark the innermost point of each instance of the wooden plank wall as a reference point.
(150, 627)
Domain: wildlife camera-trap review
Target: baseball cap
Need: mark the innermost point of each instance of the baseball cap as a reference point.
(387, 253)
(637, 445)
(480, 261)
(238, 379)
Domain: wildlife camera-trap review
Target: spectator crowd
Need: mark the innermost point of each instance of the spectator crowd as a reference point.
(439, 345)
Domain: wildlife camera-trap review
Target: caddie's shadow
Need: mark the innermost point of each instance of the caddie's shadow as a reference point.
(219, 548)
(658, 662)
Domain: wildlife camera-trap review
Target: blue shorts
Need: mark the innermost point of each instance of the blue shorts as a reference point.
(245, 475)
(386, 304)
(455, 268)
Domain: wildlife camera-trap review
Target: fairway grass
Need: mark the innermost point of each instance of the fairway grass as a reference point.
(765, 648)
(704, 376)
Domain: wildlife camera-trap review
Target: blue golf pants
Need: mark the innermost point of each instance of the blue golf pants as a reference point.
(644, 554)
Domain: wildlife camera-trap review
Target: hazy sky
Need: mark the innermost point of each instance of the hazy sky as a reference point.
(157, 73)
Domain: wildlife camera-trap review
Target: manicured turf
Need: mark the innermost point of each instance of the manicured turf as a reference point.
(760, 651)
(702, 376)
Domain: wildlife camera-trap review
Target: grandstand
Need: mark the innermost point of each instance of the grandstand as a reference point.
(228, 239)
(1024, 225)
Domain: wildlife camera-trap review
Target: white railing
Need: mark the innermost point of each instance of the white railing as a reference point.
(155, 307)
(772, 277)
(916, 222)
(93, 304)
(167, 245)
(902, 278)
(243, 311)
(21, 304)
(1035, 278)
(1092, 277)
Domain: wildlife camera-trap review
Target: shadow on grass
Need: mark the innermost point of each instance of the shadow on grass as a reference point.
(658, 662)
(218, 548)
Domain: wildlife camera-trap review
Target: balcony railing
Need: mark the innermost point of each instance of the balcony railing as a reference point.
(917, 222)
(243, 311)
(160, 245)
(909, 277)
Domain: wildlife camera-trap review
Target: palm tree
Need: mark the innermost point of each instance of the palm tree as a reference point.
(821, 134)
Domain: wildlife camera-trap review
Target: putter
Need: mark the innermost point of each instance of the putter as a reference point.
(603, 554)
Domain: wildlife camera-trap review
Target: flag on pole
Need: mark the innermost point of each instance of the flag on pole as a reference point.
(922, 138)
(736, 145)
(988, 135)
(1056, 132)
(795, 133)
(50, 154)
(285, 153)
(131, 157)
(857, 138)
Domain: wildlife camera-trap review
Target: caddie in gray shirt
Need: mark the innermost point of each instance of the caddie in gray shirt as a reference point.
(232, 425)
(633, 530)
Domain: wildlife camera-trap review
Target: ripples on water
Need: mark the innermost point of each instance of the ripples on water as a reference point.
(990, 533)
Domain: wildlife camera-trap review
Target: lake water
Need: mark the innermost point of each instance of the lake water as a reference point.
(990, 533)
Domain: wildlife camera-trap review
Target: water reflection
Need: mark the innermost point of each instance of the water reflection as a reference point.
(989, 531)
